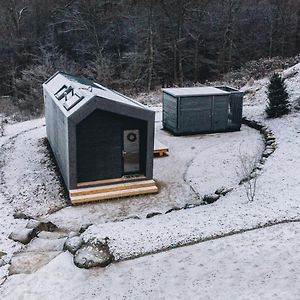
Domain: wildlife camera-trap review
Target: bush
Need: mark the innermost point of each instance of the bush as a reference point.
(278, 104)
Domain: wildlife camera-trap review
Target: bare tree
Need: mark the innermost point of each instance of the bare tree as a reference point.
(249, 174)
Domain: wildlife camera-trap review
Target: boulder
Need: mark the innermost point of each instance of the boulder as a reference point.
(93, 254)
(175, 208)
(153, 214)
(21, 215)
(23, 236)
(209, 199)
(30, 262)
(84, 227)
(2, 254)
(41, 226)
(72, 244)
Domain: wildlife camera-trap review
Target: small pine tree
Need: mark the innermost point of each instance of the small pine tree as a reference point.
(278, 103)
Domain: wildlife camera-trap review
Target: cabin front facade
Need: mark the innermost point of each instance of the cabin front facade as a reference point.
(202, 110)
(102, 140)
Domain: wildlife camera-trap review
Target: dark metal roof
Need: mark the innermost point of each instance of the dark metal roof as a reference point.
(194, 91)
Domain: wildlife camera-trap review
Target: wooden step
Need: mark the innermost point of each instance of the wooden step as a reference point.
(110, 181)
(160, 149)
(111, 188)
(113, 191)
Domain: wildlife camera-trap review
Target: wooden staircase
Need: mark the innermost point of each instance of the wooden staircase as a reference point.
(111, 191)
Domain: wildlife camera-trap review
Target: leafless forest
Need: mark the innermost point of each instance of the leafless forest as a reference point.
(137, 44)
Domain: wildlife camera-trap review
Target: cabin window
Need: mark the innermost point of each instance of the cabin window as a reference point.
(72, 101)
(64, 93)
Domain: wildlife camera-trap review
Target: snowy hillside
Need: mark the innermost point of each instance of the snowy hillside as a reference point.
(231, 249)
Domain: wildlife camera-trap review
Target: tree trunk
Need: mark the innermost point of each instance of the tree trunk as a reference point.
(150, 48)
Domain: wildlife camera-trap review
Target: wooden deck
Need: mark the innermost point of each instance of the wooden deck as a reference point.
(112, 191)
(160, 149)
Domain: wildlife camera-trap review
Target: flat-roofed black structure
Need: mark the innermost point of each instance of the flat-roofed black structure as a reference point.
(96, 134)
(202, 109)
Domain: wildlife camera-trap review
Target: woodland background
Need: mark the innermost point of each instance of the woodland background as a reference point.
(137, 45)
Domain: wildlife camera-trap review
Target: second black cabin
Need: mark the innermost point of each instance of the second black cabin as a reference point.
(202, 110)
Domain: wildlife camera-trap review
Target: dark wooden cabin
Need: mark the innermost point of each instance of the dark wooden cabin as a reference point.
(202, 110)
(102, 141)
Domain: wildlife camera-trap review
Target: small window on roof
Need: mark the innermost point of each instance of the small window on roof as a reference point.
(72, 101)
(64, 92)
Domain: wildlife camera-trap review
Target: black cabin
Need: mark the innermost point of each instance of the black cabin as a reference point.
(202, 110)
(97, 134)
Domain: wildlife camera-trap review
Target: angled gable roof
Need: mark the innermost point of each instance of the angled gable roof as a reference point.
(71, 94)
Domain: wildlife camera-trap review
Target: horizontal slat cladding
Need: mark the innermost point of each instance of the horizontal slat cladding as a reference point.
(167, 97)
(195, 103)
(237, 102)
(170, 111)
(195, 114)
(220, 114)
(171, 118)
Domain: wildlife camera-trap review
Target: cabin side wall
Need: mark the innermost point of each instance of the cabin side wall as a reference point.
(236, 99)
(170, 111)
(57, 134)
(194, 114)
(220, 113)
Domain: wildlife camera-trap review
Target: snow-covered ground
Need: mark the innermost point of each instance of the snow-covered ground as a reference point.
(258, 264)
(262, 264)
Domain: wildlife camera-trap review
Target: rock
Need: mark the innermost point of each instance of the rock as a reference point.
(93, 254)
(2, 254)
(209, 199)
(72, 234)
(267, 153)
(270, 142)
(2, 262)
(48, 235)
(32, 224)
(41, 226)
(175, 208)
(263, 129)
(30, 262)
(72, 244)
(223, 191)
(46, 245)
(271, 137)
(151, 215)
(131, 218)
(21, 215)
(84, 227)
(189, 205)
(46, 226)
(260, 167)
(263, 160)
(23, 236)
